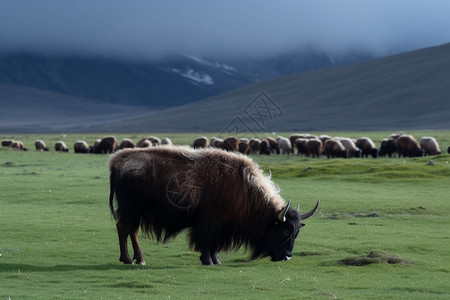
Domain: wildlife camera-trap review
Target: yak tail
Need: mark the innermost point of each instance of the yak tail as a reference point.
(111, 195)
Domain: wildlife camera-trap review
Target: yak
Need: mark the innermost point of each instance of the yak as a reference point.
(200, 142)
(108, 144)
(222, 198)
(40, 145)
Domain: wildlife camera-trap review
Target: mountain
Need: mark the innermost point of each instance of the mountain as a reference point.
(405, 91)
(166, 83)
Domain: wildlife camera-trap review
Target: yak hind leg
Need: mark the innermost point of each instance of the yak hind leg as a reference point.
(138, 255)
(124, 230)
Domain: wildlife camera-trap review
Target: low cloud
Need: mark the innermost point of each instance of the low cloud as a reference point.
(151, 29)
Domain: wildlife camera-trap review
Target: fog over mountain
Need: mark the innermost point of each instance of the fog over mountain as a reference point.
(152, 29)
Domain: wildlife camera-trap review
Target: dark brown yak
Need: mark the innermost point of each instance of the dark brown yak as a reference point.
(223, 199)
(81, 147)
(61, 147)
(126, 143)
(40, 145)
(107, 144)
(407, 146)
(200, 142)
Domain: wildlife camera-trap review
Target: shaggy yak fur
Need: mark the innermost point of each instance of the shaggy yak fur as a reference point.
(222, 198)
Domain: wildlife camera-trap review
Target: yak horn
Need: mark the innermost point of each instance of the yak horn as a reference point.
(282, 215)
(309, 213)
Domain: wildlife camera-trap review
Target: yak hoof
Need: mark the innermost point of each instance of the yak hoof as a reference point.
(142, 263)
(126, 261)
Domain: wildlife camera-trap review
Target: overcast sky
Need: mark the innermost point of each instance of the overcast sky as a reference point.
(154, 28)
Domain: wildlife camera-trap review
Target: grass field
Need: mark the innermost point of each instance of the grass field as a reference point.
(58, 239)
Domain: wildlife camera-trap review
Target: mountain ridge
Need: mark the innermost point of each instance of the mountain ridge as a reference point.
(404, 91)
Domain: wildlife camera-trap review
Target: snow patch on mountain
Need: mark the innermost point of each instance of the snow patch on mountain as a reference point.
(198, 77)
(216, 65)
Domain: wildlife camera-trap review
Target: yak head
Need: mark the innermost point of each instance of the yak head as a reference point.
(279, 240)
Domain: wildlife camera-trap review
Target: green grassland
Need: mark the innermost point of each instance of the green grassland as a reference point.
(58, 239)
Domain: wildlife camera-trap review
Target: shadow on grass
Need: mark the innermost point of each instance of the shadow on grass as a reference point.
(7, 268)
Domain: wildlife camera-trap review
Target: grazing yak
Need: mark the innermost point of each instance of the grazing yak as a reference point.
(254, 145)
(216, 143)
(388, 148)
(18, 145)
(61, 147)
(429, 145)
(407, 146)
(7, 143)
(166, 142)
(108, 144)
(334, 148)
(314, 147)
(274, 148)
(144, 143)
(300, 143)
(81, 147)
(350, 146)
(285, 145)
(264, 147)
(244, 146)
(40, 145)
(126, 143)
(222, 198)
(231, 144)
(367, 147)
(200, 142)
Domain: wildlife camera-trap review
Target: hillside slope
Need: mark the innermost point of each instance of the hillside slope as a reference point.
(405, 91)
(164, 83)
(55, 112)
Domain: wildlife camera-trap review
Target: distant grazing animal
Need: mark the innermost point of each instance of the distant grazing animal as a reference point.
(274, 148)
(144, 143)
(285, 145)
(244, 146)
(61, 147)
(81, 147)
(387, 147)
(334, 148)
(126, 143)
(108, 144)
(40, 145)
(264, 147)
(314, 147)
(216, 143)
(166, 142)
(254, 145)
(231, 144)
(155, 141)
(350, 146)
(367, 147)
(200, 142)
(293, 138)
(6, 143)
(300, 143)
(448, 150)
(407, 146)
(430, 145)
(18, 145)
(96, 142)
(222, 198)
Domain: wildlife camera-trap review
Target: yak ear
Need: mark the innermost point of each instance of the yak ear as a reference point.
(282, 215)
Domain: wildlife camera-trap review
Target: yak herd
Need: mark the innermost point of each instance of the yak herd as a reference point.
(300, 144)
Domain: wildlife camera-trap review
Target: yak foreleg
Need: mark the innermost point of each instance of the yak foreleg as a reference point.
(124, 231)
